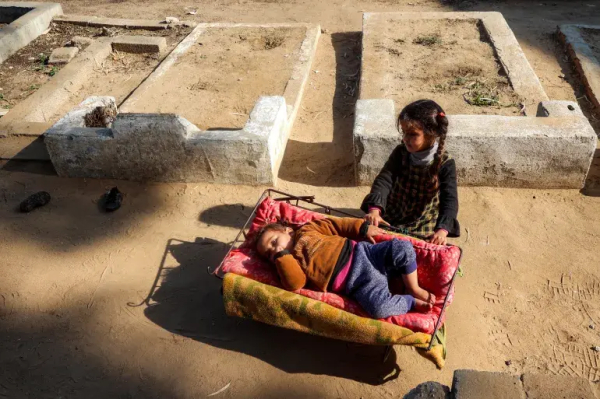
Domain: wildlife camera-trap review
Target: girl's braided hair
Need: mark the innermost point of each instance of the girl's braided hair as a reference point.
(434, 122)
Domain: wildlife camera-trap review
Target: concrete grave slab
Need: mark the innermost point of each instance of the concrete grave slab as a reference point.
(63, 55)
(174, 149)
(26, 21)
(553, 150)
(583, 46)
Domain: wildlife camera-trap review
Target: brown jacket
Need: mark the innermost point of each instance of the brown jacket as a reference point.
(317, 248)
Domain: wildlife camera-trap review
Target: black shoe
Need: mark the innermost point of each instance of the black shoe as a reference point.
(113, 200)
(35, 201)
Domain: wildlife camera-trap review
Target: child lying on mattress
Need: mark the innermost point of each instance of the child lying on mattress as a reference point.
(331, 255)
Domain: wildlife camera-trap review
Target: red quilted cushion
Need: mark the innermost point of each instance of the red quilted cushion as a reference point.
(436, 265)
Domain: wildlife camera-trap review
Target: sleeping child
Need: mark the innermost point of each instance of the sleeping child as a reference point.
(340, 255)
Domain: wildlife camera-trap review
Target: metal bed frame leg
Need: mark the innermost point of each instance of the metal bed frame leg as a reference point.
(386, 354)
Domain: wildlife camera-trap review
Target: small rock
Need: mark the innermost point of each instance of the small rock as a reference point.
(31, 58)
(3, 111)
(508, 362)
(63, 55)
(107, 32)
(592, 326)
(79, 42)
(325, 31)
(571, 108)
(429, 390)
(34, 201)
(171, 20)
(596, 348)
(192, 12)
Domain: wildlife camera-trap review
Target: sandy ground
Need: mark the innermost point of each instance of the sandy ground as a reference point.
(451, 61)
(71, 276)
(200, 84)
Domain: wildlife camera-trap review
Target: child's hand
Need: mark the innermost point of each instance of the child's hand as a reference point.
(440, 237)
(374, 218)
(372, 232)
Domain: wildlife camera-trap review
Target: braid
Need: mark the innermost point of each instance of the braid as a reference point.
(442, 131)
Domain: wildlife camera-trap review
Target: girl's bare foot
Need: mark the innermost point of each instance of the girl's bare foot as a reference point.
(422, 306)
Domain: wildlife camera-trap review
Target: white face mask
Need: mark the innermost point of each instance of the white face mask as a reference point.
(425, 157)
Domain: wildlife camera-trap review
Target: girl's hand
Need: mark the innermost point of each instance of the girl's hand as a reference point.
(375, 219)
(373, 231)
(440, 237)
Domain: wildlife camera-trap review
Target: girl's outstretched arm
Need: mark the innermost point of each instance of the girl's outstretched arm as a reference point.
(448, 212)
(383, 183)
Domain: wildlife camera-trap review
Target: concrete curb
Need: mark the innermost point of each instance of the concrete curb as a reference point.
(23, 30)
(587, 65)
(167, 147)
(545, 152)
(119, 22)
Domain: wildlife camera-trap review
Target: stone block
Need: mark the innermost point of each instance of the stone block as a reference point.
(429, 390)
(471, 384)
(32, 19)
(63, 55)
(139, 44)
(167, 147)
(80, 42)
(539, 386)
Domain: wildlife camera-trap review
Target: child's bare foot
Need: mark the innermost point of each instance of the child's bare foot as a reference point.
(420, 293)
(422, 306)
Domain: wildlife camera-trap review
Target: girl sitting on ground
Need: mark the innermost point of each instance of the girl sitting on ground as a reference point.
(331, 256)
(415, 192)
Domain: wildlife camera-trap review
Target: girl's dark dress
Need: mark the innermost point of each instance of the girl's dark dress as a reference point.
(403, 193)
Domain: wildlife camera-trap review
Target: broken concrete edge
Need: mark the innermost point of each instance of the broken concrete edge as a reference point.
(29, 117)
(582, 55)
(499, 155)
(99, 22)
(173, 148)
(520, 74)
(26, 28)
